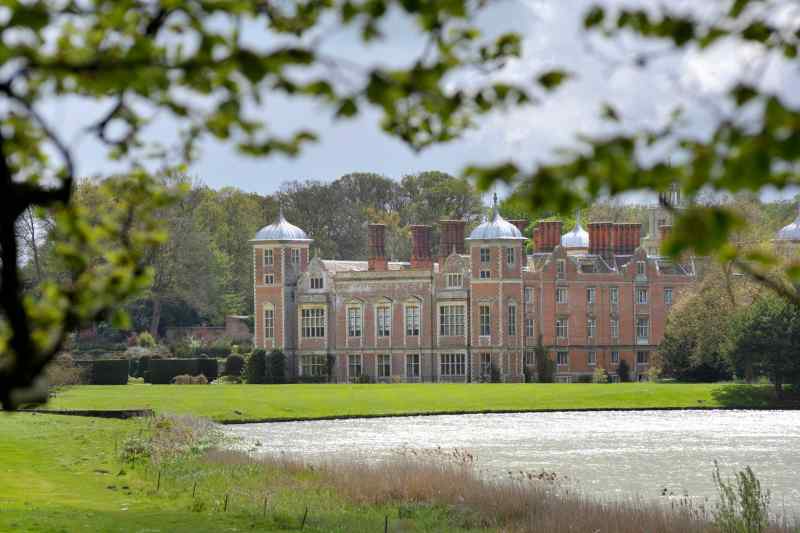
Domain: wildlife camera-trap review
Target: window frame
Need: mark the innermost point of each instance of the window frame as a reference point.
(562, 354)
(511, 256)
(615, 357)
(354, 360)
(641, 269)
(355, 324)
(294, 256)
(591, 327)
(316, 280)
(591, 358)
(451, 276)
(591, 295)
(450, 363)
(614, 295)
(485, 274)
(642, 360)
(529, 296)
(614, 327)
(485, 364)
(452, 320)
(269, 323)
(269, 278)
(383, 321)
(485, 255)
(484, 320)
(559, 292)
(562, 324)
(642, 324)
(411, 316)
(313, 326)
(512, 320)
(668, 300)
(314, 365)
(382, 363)
(412, 362)
(641, 295)
(269, 258)
(530, 327)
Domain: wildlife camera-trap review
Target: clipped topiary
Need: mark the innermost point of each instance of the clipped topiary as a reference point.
(256, 370)
(234, 364)
(276, 367)
(624, 371)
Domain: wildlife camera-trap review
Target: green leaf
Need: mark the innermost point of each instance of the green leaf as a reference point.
(609, 113)
(743, 93)
(551, 79)
(594, 17)
(757, 31)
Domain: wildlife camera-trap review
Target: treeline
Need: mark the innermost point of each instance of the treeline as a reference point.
(203, 272)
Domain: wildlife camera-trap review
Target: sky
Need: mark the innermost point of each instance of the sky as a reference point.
(553, 36)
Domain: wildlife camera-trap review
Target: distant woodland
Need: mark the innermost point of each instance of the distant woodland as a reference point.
(203, 271)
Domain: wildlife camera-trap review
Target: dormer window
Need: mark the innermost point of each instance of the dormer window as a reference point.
(268, 259)
(454, 280)
(317, 282)
(485, 256)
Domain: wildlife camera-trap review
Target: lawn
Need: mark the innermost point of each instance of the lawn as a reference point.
(64, 474)
(267, 402)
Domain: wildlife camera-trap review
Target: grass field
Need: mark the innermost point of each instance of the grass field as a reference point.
(263, 402)
(63, 474)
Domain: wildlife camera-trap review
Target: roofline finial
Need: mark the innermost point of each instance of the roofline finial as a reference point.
(495, 211)
(280, 212)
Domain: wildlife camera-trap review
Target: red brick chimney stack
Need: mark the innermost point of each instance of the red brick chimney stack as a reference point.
(547, 235)
(377, 247)
(451, 235)
(421, 246)
(521, 224)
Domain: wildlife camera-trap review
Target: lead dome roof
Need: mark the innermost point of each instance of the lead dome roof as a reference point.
(496, 228)
(790, 232)
(281, 230)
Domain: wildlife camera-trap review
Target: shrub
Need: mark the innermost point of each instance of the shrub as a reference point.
(234, 364)
(256, 370)
(600, 375)
(545, 367)
(208, 368)
(219, 348)
(624, 371)
(494, 373)
(110, 372)
(742, 506)
(162, 371)
(312, 379)
(364, 378)
(276, 367)
(145, 340)
(62, 371)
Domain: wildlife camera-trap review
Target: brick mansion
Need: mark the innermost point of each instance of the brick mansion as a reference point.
(477, 312)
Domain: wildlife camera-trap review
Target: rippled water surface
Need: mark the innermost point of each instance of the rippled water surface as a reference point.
(607, 454)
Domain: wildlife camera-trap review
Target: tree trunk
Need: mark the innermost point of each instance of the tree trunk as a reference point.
(155, 319)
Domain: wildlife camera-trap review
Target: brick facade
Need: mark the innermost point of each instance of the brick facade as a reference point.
(468, 316)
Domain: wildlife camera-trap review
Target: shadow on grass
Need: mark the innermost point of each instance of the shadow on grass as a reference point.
(755, 396)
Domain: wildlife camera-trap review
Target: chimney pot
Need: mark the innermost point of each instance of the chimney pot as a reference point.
(376, 234)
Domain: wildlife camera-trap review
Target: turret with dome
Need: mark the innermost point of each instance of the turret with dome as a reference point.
(791, 232)
(495, 228)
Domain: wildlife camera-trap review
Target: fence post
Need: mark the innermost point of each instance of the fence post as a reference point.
(264, 513)
(158, 483)
(225, 509)
(305, 515)
(194, 489)
(386, 524)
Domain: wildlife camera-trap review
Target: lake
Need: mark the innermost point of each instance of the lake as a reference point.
(611, 455)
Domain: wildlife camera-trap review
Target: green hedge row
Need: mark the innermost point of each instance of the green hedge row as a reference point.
(162, 371)
(109, 372)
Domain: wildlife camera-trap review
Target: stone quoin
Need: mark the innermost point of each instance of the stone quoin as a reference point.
(477, 311)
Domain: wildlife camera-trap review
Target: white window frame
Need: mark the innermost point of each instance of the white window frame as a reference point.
(562, 358)
(512, 320)
(295, 256)
(561, 268)
(413, 364)
(452, 320)
(591, 358)
(383, 321)
(668, 296)
(529, 358)
(317, 282)
(312, 322)
(383, 365)
(529, 295)
(269, 322)
(640, 268)
(562, 291)
(453, 365)
(562, 328)
(485, 364)
(269, 258)
(485, 320)
(530, 328)
(642, 360)
(614, 325)
(455, 280)
(486, 255)
(642, 328)
(614, 295)
(355, 324)
(412, 321)
(314, 365)
(511, 256)
(591, 327)
(355, 361)
(615, 357)
(591, 295)
(485, 274)
(641, 295)
(269, 278)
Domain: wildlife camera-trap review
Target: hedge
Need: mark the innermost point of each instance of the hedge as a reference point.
(110, 372)
(162, 371)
